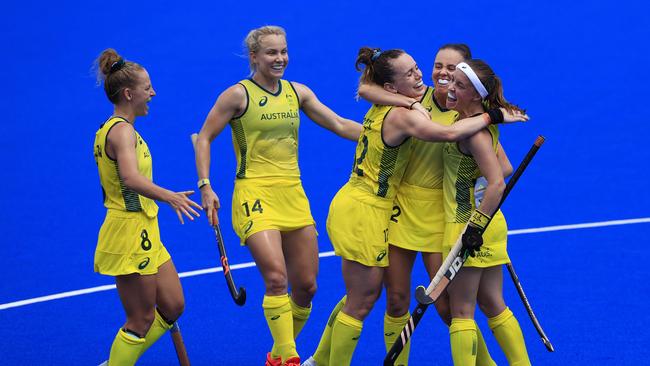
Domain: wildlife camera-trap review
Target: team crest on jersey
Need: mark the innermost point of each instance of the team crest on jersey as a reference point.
(263, 101)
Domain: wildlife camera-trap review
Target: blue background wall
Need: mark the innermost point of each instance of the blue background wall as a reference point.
(579, 68)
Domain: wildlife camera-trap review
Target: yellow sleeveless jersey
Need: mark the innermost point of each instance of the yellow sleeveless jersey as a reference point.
(265, 136)
(425, 167)
(116, 195)
(377, 166)
(461, 172)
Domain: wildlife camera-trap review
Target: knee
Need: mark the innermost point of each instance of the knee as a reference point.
(464, 311)
(363, 307)
(397, 303)
(308, 288)
(276, 283)
(141, 322)
(491, 307)
(173, 311)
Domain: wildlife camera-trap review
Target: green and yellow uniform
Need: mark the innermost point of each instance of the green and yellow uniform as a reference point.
(358, 218)
(461, 172)
(417, 222)
(129, 239)
(268, 192)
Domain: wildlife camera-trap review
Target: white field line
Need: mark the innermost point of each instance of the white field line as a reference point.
(199, 272)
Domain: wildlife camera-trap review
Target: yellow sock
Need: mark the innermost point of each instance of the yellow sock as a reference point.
(277, 311)
(322, 354)
(125, 349)
(300, 316)
(392, 328)
(345, 336)
(483, 357)
(508, 333)
(158, 328)
(462, 336)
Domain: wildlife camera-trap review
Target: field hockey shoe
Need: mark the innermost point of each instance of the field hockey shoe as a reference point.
(292, 361)
(273, 361)
(309, 362)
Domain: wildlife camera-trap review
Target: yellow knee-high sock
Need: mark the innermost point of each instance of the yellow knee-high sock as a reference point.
(392, 328)
(462, 336)
(483, 357)
(125, 349)
(277, 311)
(158, 328)
(345, 336)
(322, 354)
(508, 333)
(300, 316)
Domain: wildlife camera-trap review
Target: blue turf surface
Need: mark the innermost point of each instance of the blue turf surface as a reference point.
(578, 67)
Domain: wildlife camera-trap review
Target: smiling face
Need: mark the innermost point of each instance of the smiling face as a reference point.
(461, 94)
(445, 65)
(272, 57)
(141, 93)
(407, 77)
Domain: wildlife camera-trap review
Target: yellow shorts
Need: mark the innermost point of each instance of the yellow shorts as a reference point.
(269, 204)
(418, 219)
(129, 242)
(494, 250)
(357, 225)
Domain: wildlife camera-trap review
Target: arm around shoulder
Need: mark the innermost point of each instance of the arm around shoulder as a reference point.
(415, 124)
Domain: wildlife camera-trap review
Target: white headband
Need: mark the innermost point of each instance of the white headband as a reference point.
(473, 78)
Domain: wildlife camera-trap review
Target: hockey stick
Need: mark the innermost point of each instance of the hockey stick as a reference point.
(448, 270)
(181, 352)
(529, 309)
(238, 296)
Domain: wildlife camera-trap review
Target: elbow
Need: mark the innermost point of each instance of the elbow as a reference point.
(129, 182)
(449, 135)
(499, 186)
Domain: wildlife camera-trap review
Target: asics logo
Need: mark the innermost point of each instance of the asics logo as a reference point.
(381, 255)
(249, 226)
(263, 101)
(144, 264)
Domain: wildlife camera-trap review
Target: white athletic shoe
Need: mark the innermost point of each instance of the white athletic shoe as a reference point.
(309, 362)
(105, 363)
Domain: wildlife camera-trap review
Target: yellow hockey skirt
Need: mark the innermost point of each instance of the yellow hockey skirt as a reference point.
(357, 225)
(260, 204)
(494, 250)
(418, 219)
(129, 242)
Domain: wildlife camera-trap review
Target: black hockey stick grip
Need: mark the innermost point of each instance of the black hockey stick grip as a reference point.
(238, 296)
